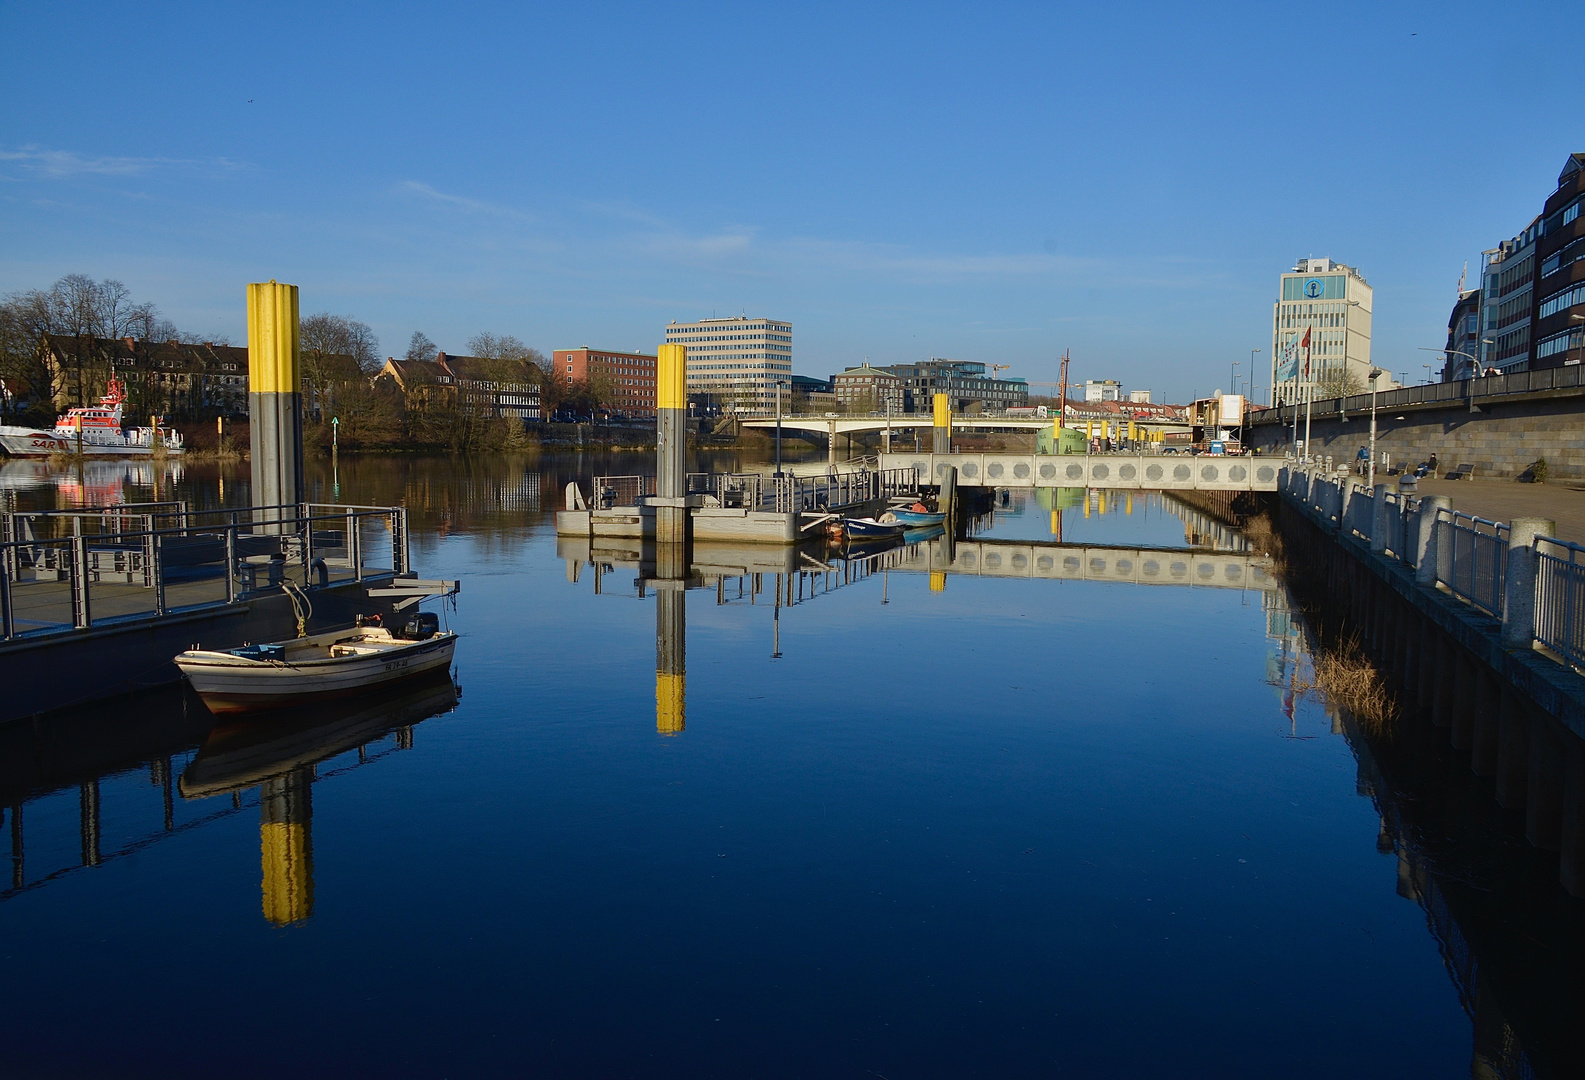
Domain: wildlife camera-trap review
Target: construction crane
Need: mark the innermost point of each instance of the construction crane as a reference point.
(998, 367)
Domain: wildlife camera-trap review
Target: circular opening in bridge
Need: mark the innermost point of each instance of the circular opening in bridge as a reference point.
(1206, 571)
(1179, 569)
(1151, 568)
(967, 559)
(1125, 566)
(1153, 472)
(970, 469)
(1180, 473)
(1020, 562)
(1070, 563)
(1044, 563)
(993, 560)
(1265, 474)
(1046, 471)
(1128, 472)
(994, 470)
(1209, 472)
(1237, 473)
(1097, 566)
(1101, 472)
(1074, 472)
(1022, 471)
(1233, 572)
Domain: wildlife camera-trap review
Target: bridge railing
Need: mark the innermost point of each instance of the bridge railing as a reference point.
(187, 560)
(1523, 382)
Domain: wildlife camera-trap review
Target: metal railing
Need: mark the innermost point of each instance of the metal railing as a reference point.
(1472, 558)
(177, 559)
(796, 494)
(612, 491)
(1560, 598)
(1524, 382)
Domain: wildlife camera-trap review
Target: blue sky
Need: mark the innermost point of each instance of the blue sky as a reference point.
(989, 182)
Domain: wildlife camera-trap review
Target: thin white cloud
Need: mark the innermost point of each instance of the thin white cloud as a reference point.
(60, 164)
(462, 202)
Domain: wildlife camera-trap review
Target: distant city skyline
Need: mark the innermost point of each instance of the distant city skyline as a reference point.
(998, 185)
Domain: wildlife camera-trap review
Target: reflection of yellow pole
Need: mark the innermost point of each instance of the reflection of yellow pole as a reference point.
(286, 849)
(938, 581)
(1103, 500)
(1056, 523)
(1086, 504)
(671, 636)
(1130, 505)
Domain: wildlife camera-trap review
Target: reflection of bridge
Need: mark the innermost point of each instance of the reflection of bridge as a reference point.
(1151, 472)
(854, 425)
(1073, 562)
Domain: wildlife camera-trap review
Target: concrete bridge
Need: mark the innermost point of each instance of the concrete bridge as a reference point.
(1138, 472)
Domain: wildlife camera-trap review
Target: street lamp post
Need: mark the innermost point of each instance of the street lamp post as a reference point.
(1232, 378)
(1374, 373)
(778, 428)
(1252, 353)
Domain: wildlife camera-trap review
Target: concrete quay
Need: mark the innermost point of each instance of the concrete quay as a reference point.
(1516, 711)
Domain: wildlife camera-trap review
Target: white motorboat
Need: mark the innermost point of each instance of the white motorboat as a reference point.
(334, 664)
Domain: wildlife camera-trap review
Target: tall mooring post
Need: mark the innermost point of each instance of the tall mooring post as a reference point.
(943, 426)
(275, 400)
(671, 444)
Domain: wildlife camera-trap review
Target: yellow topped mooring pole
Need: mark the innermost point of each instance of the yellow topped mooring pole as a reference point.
(943, 424)
(671, 443)
(275, 400)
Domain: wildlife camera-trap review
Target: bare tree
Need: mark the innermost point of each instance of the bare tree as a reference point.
(1338, 382)
(420, 347)
(336, 351)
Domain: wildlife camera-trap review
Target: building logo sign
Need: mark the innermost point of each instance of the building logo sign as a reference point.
(1314, 288)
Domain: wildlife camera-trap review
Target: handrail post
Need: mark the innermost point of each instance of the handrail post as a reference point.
(231, 561)
(1518, 609)
(1379, 520)
(7, 628)
(81, 616)
(157, 570)
(1425, 549)
(308, 543)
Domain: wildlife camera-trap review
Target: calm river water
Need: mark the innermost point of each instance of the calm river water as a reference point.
(1001, 828)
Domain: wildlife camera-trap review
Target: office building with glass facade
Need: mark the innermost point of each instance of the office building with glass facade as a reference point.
(1332, 302)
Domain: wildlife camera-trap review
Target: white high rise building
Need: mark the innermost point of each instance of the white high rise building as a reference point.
(1332, 302)
(736, 361)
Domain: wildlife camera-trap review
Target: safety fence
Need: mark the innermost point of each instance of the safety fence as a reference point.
(63, 571)
(1560, 598)
(1471, 557)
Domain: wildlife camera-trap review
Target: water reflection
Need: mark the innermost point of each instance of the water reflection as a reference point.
(125, 752)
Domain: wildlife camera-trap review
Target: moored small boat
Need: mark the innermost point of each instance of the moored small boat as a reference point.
(868, 528)
(914, 519)
(317, 667)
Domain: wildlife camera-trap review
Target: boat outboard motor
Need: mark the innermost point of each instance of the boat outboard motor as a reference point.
(422, 626)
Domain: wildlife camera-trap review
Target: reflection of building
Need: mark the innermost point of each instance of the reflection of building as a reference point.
(735, 361)
(1333, 302)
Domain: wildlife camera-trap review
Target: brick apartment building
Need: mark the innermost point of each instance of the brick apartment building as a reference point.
(631, 375)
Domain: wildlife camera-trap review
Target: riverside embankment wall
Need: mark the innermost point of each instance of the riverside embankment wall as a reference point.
(1501, 440)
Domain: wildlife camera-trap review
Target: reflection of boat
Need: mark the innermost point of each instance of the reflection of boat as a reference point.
(94, 431)
(919, 535)
(333, 664)
(868, 528)
(855, 550)
(241, 754)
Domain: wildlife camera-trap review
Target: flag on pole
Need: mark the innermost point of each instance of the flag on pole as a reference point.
(1288, 369)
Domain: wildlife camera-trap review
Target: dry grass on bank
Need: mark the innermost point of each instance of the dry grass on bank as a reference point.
(1346, 678)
